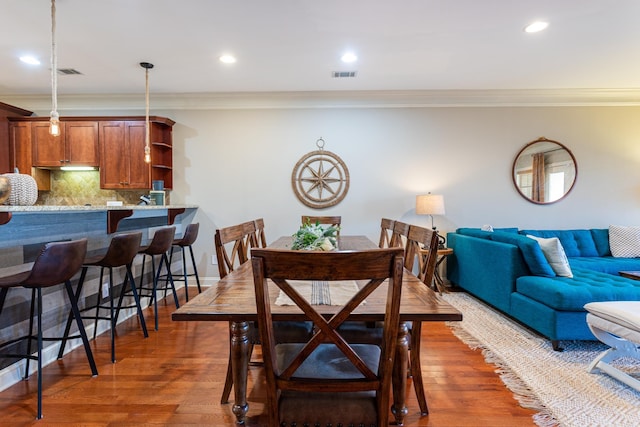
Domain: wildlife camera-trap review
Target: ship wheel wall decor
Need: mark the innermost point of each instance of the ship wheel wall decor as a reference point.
(320, 179)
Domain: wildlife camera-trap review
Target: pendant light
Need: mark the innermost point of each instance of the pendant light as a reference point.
(54, 127)
(147, 144)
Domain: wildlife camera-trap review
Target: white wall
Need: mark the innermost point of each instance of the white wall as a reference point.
(236, 165)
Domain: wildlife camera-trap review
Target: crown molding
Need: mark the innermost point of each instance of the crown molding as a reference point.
(334, 99)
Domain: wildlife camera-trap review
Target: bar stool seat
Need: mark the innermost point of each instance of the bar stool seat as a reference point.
(188, 238)
(56, 264)
(121, 251)
(159, 246)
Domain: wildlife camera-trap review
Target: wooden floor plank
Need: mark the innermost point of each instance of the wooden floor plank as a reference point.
(175, 378)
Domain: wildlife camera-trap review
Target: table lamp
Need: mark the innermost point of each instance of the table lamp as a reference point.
(431, 204)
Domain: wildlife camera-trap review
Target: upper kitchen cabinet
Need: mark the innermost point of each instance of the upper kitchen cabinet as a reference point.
(77, 144)
(6, 155)
(122, 164)
(21, 154)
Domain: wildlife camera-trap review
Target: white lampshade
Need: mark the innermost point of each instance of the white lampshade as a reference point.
(430, 204)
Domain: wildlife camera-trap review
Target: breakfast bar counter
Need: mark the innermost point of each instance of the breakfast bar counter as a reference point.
(24, 230)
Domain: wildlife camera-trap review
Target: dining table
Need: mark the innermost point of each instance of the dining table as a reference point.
(232, 300)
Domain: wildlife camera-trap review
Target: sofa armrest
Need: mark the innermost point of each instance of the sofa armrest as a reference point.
(485, 268)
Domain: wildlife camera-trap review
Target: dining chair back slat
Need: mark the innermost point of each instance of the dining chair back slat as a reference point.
(386, 232)
(228, 260)
(302, 385)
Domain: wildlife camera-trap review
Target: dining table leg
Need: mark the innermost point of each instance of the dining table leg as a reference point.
(399, 408)
(239, 367)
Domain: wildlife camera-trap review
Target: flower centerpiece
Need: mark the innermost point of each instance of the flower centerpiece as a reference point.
(314, 237)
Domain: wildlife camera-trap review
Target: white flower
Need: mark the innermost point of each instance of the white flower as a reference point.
(326, 245)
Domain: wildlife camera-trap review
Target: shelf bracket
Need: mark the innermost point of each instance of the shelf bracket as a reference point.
(114, 217)
(173, 213)
(5, 217)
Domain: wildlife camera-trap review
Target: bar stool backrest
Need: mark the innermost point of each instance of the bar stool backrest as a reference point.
(122, 249)
(190, 234)
(162, 241)
(57, 263)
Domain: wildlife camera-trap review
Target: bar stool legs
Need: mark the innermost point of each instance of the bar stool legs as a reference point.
(189, 237)
(121, 252)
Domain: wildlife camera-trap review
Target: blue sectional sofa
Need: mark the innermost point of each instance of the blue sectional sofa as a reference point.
(509, 271)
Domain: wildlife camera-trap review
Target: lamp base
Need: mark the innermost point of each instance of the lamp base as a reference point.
(441, 239)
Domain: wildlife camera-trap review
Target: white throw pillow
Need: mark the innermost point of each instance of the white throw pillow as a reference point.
(554, 253)
(624, 241)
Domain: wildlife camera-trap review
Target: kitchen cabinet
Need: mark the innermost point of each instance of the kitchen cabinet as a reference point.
(122, 164)
(114, 144)
(21, 154)
(77, 144)
(6, 112)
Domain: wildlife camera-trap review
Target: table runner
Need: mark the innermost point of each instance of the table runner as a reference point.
(321, 292)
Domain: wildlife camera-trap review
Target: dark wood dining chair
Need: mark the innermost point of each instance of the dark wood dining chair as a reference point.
(327, 380)
(232, 245)
(415, 239)
(399, 235)
(386, 232)
(426, 239)
(261, 238)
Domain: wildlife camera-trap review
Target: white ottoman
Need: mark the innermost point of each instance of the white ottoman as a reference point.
(617, 324)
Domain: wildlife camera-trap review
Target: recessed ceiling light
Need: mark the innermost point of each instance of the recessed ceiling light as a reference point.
(31, 60)
(228, 59)
(349, 57)
(536, 26)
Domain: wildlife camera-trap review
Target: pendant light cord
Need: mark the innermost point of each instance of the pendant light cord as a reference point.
(54, 63)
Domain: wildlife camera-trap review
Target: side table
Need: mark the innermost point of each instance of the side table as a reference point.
(438, 281)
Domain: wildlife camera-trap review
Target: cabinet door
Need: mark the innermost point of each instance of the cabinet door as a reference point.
(81, 143)
(48, 150)
(139, 171)
(122, 163)
(21, 157)
(114, 168)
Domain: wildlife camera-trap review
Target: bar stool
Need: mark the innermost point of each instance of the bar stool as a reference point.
(160, 244)
(188, 238)
(57, 263)
(122, 250)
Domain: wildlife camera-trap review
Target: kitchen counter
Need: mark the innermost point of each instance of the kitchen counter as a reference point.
(24, 230)
(51, 208)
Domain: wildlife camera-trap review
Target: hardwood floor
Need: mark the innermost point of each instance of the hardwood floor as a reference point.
(175, 377)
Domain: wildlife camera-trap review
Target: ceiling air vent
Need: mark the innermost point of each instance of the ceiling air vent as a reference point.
(68, 71)
(343, 74)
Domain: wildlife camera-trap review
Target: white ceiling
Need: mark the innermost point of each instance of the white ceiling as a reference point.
(294, 45)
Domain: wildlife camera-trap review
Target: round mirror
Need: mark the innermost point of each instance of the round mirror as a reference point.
(544, 171)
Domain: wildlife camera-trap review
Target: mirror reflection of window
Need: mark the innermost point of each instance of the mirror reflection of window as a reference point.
(544, 171)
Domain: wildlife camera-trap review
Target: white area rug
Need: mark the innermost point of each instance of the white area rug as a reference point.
(555, 383)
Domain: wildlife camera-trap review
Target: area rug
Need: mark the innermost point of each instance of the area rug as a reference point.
(556, 384)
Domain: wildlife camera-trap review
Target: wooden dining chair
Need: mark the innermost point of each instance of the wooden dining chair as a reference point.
(327, 380)
(415, 239)
(260, 236)
(386, 232)
(232, 245)
(420, 238)
(399, 235)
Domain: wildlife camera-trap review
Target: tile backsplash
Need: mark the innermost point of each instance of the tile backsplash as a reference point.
(71, 188)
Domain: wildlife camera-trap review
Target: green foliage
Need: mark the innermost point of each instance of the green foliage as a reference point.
(314, 237)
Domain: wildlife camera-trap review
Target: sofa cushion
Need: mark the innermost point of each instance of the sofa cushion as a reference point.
(474, 232)
(574, 242)
(606, 264)
(571, 294)
(530, 249)
(601, 239)
(624, 241)
(555, 255)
